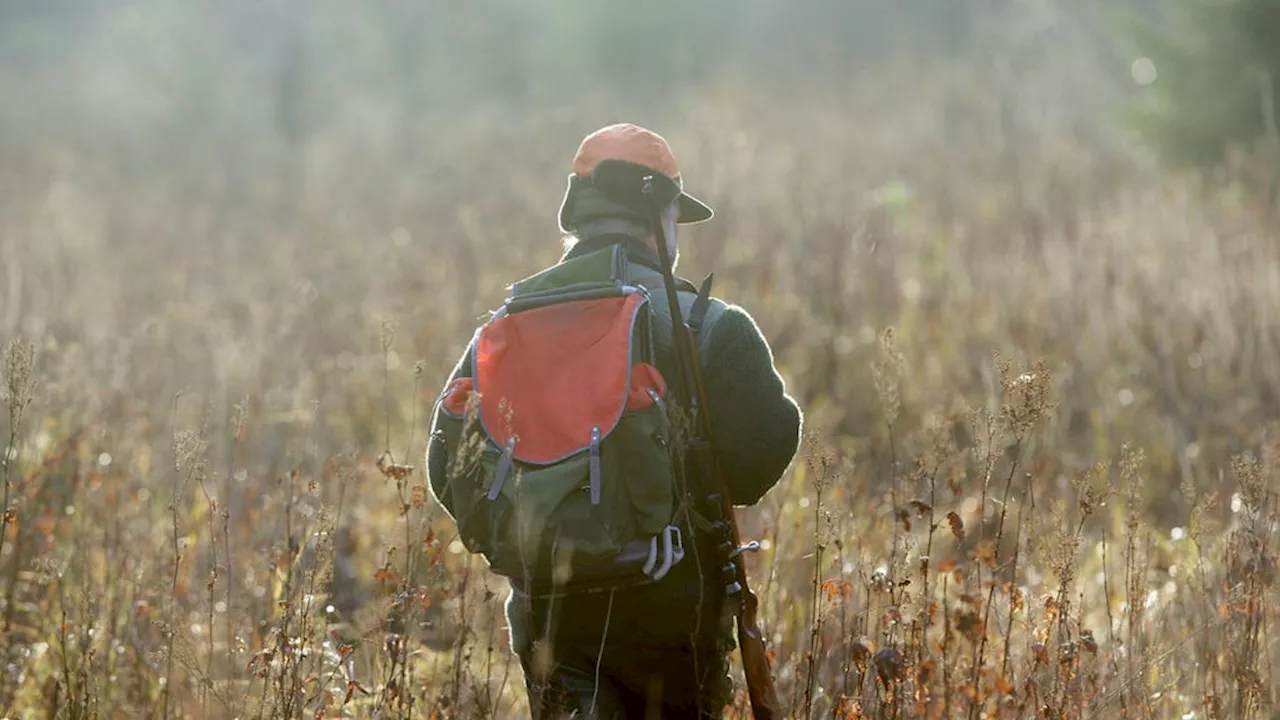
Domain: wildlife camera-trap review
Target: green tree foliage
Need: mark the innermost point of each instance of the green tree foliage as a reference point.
(1213, 93)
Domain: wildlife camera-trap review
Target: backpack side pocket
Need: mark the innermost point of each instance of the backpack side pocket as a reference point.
(468, 472)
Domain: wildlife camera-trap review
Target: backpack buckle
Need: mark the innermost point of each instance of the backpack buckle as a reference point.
(669, 545)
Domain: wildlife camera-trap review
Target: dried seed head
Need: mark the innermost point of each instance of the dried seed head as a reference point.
(188, 450)
(1091, 488)
(887, 373)
(390, 468)
(19, 380)
(821, 461)
(1026, 397)
(1132, 464)
(1253, 486)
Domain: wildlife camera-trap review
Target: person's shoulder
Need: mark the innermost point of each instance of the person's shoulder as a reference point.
(730, 330)
(731, 316)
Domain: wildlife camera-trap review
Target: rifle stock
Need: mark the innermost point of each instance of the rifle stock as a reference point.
(718, 502)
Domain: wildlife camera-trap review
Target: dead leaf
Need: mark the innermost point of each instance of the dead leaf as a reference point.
(922, 508)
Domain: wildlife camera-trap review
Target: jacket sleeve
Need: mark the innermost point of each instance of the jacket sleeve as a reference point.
(437, 457)
(757, 424)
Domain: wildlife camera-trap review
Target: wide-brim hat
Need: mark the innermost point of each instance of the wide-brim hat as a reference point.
(633, 144)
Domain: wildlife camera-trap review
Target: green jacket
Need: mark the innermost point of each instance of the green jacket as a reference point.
(758, 433)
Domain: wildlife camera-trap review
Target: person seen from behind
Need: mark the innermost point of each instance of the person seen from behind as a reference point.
(548, 449)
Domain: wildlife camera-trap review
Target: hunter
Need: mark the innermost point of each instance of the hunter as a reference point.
(661, 649)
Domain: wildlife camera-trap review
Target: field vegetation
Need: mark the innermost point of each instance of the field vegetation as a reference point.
(244, 243)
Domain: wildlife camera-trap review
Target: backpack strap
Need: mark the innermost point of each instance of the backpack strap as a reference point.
(698, 312)
(651, 280)
(699, 315)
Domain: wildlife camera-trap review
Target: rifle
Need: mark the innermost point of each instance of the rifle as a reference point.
(719, 504)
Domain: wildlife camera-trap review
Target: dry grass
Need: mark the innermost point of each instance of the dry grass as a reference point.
(1039, 478)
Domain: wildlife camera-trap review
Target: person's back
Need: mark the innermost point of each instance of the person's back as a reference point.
(665, 644)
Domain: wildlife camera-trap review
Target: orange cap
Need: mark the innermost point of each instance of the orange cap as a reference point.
(625, 141)
(632, 143)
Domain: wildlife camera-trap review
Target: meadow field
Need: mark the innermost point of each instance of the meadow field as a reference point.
(1040, 382)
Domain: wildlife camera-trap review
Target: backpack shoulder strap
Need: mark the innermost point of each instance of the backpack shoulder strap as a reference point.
(700, 310)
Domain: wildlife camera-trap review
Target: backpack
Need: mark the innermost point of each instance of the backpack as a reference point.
(559, 444)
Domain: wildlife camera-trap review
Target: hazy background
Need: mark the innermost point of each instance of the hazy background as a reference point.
(154, 153)
(247, 241)
(371, 116)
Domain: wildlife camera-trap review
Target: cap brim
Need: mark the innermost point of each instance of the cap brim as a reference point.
(693, 210)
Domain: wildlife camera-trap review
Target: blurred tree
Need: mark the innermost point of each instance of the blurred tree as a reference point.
(1212, 82)
(648, 49)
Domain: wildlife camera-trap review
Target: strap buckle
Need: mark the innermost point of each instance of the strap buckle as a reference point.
(668, 545)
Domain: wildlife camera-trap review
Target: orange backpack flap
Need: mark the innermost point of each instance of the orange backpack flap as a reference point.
(549, 376)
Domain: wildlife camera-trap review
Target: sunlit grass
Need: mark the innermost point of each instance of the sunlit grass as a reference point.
(1038, 478)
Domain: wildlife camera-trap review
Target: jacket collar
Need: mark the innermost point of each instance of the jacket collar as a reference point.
(637, 250)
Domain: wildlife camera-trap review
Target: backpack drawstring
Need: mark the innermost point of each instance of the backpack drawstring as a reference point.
(600, 655)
